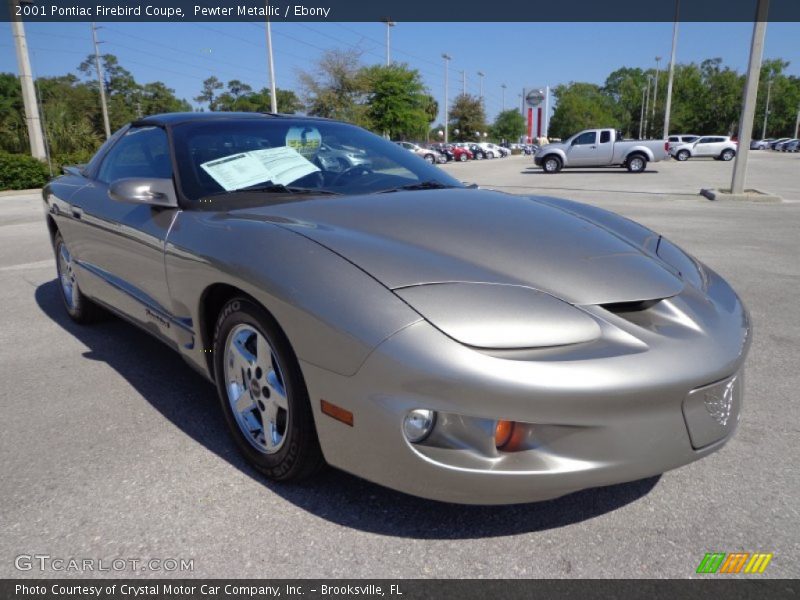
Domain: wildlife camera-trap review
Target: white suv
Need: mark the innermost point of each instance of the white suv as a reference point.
(716, 146)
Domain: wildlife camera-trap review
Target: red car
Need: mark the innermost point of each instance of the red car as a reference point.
(461, 154)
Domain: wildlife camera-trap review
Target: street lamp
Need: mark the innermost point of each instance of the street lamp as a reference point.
(480, 83)
(447, 58)
(766, 109)
(655, 90)
(503, 87)
(668, 105)
(389, 25)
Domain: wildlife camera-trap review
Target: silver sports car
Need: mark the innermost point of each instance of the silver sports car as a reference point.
(454, 343)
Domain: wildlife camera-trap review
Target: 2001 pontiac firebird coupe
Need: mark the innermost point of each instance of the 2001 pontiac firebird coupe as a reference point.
(454, 343)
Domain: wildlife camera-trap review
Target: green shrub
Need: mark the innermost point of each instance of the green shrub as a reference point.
(21, 172)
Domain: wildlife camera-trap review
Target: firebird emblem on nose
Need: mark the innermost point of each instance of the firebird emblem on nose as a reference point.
(719, 402)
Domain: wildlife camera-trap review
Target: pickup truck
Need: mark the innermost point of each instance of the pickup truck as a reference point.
(600, 148)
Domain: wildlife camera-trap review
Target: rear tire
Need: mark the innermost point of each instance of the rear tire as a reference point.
(462, 157)
(636, 163)
(79, 308)
(262, 393)
(727, 155)
(551, 164)
(430, 158)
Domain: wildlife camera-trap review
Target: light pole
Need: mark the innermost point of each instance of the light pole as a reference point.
(480, 83)
(101, 82)
(641, 115)
(766, 109)
(750, 96)
(447, 58)
(463, 83)
(655, 90)
(273, 92)
(668, 105)
(797, 124)
(32, 120)
(503, 103)
(389, 25)
(647, 103)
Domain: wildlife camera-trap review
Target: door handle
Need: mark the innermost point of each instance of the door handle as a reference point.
(593, 147)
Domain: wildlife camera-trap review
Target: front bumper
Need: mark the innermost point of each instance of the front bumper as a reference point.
(598, 415)
(537, 160)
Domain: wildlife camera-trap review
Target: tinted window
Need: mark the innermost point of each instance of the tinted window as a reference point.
(704, 141)
(590, 137)
(142, 152)
(674, 138)
(605, 137)
(688, 138)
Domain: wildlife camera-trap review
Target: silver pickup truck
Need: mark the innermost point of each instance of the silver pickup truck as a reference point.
(600, 148)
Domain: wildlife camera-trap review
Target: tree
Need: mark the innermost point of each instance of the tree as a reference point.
(509, 125)
(467, 116)
(208, 95)
(334, 89)
(581, 106)
(395, 100)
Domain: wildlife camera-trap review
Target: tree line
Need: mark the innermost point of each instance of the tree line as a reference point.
(706, 99)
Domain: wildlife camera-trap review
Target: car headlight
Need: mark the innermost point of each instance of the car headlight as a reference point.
(485, 315)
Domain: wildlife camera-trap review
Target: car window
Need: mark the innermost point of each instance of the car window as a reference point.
(142, 152)
(605, 137)
(590, 137)
(704, 141)
(216, 157)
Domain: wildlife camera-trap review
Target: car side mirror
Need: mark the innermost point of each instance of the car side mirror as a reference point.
(144, 190)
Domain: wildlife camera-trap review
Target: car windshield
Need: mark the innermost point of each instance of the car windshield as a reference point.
(285, 156)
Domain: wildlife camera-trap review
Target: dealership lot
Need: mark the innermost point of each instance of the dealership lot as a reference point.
(113, 448)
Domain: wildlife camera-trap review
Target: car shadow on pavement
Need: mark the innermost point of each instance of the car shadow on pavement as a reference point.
(190, 403)
(611, 171)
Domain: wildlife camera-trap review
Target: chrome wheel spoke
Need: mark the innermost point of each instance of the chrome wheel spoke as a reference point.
(255, 390)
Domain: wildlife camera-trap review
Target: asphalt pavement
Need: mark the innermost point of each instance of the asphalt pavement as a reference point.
(112, 447)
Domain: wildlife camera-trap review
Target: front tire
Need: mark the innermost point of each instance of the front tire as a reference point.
(79, 308)
(551, 164)
(727, 155)
(636, 163)
(430, 158)
(262, 393)
(682, 155)
(462, 157)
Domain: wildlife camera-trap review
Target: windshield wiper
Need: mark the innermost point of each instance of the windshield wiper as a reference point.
(277, 188)
(422, 185)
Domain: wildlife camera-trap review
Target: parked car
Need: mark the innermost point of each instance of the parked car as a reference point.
(783, 146)
(681, 138)
(600, 148)
(477, 151)
(793, 146)
(719, 147)
(427, 154)
(773, 144)
(452, 343)
(333, 156)
(490, 150)
(500, 151)
(461, 154)
(761, 144)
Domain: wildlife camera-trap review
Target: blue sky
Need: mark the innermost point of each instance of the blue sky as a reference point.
(517, 54)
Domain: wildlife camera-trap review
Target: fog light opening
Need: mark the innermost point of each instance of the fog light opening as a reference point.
(503, 432)
(418, 424)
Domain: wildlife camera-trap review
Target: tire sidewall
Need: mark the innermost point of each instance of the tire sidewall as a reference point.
(633, 160)
(682, 156)
(555, 161)
(727, 155)
(77, 312)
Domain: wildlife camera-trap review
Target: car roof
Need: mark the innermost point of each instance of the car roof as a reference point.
(168, 119)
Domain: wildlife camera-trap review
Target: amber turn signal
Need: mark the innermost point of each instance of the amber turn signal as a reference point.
(503, 432)
(336, 412)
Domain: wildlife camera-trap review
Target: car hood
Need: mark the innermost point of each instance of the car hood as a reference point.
(433, 236)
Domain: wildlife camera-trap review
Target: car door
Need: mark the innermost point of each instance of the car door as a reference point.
(583, 150)
(704, 147)
(123, 247)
